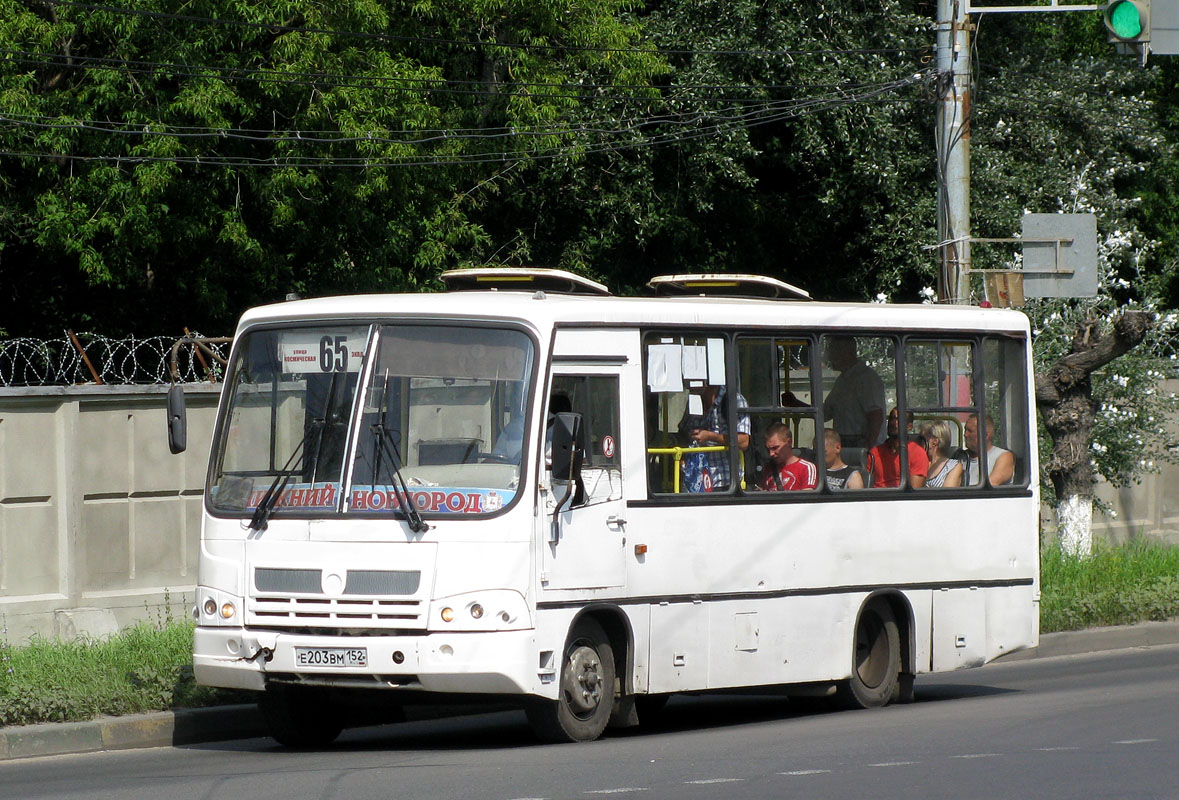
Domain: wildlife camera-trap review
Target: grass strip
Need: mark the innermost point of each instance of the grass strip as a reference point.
(1116, 585)
(143, 668)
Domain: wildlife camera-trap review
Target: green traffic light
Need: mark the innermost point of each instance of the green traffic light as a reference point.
(1125, 21)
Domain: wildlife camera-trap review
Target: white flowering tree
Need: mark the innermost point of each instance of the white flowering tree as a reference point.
(1068, 411)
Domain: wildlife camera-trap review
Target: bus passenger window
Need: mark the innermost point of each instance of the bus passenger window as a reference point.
(940, 393)
(689, 408)
(1005, 392)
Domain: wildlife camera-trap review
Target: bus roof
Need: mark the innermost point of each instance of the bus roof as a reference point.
(545, 310)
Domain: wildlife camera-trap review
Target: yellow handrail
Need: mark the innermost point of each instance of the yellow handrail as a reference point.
(679, 452)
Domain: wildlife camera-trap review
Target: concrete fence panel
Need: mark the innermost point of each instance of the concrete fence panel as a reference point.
(99, 522)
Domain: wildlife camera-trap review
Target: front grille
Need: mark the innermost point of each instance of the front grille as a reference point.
(377, 582)
(301, 581)
(372, 599)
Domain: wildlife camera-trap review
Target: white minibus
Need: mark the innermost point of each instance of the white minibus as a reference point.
(527, 489)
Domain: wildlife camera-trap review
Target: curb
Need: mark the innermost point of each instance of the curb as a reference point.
(159, 729)
(223, 723)
(1096, 640)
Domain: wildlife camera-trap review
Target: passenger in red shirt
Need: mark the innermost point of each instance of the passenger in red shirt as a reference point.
(787, 472)
(884, 460)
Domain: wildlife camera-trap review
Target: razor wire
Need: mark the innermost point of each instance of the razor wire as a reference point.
(91, 358)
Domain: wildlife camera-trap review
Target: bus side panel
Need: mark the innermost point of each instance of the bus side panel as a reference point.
(781, 641)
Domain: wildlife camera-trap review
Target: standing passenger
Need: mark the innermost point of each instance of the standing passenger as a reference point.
(709, 472)
(855, 404)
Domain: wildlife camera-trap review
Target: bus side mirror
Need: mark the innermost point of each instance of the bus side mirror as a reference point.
(567, 451)
(177, 420)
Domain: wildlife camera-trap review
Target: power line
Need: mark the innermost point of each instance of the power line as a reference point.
(151, 129)
(707, 128)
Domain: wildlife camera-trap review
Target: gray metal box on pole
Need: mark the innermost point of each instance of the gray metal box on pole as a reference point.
(1072, 238)
(1164, 27)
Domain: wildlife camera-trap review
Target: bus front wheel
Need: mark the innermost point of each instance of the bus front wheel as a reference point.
(582, 708)
(299, 716)
(876, 658)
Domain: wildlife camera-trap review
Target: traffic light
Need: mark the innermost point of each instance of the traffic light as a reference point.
(1128, 21)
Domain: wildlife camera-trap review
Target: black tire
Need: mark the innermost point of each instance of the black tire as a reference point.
(298, 716)
(586, 697)
(876, 659)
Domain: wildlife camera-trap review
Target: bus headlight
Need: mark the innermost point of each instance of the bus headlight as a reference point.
(493, 610)
(217, 608)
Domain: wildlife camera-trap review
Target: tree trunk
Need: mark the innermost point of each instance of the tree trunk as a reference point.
(1064, 395)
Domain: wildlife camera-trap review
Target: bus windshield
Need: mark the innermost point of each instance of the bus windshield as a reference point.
(439, 420)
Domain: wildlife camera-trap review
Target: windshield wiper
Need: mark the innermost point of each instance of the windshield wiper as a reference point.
(384, 445)
(261, 517)
(269, 500)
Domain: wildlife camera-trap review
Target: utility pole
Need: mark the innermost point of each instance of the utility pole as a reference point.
(953, 151)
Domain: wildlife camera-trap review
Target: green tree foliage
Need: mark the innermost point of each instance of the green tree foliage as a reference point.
(165, 168)
(786, 139)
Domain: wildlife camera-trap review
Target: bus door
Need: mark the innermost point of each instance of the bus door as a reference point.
(584, 541)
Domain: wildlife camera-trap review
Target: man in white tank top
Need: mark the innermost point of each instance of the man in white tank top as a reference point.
(1000, 462)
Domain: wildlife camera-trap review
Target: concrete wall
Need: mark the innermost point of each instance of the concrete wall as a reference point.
(99, 522)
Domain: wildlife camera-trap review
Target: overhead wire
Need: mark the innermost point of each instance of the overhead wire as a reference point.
(706, 126)
(417, 135)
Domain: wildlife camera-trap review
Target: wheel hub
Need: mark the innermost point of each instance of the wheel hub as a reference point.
(584, 685)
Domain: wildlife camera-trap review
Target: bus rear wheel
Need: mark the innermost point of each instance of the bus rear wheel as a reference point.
(876, 659)
(300, 716)
(582, 709)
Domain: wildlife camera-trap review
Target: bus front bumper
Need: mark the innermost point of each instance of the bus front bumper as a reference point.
(500, 662)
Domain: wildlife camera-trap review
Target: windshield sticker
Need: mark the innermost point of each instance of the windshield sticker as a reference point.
(440, 500)
(317, 496)
(324, 496)
(323, 351)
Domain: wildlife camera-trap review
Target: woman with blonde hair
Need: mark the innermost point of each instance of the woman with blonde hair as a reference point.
(943, 470)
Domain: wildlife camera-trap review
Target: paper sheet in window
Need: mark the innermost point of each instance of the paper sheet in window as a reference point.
(695, 362)
(664, 368)
(716, 362)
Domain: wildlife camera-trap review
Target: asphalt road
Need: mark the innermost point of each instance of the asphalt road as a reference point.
(1104, 725)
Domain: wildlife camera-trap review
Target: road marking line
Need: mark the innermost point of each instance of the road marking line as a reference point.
(1056, 749)
(894, 764)
(979, 755)
(713, 780)
(622, 790)
(1136, 741)
(806, 772)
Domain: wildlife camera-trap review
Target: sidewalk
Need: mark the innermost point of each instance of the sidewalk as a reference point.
(194, 726)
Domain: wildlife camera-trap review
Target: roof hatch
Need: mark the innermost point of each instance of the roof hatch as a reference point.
(720, 284)
(521, 279)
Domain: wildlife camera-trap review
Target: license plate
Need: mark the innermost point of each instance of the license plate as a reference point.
(331, 657)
